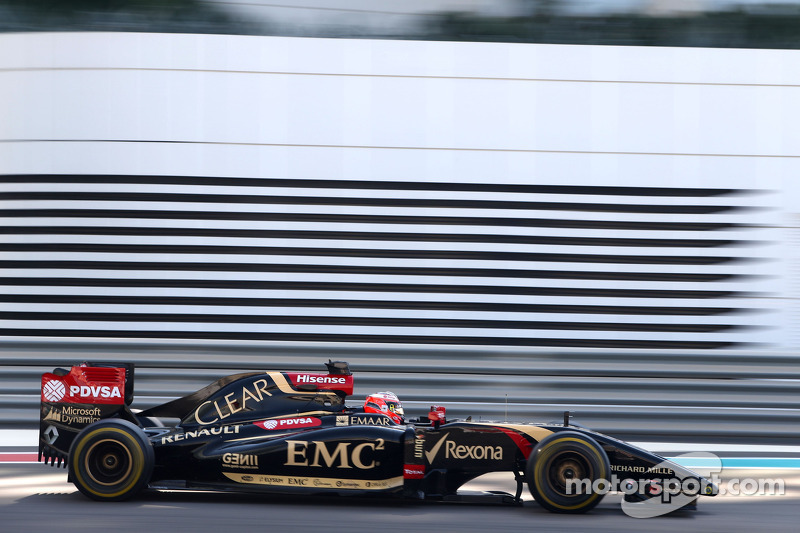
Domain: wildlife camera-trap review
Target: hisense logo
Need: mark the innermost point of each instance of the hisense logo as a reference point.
(305, 378)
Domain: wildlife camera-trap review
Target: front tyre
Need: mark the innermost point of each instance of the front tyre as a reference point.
(568, 472)
(111, 460)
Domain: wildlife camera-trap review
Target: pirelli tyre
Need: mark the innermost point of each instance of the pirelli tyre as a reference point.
(568, 472)
(111, 460)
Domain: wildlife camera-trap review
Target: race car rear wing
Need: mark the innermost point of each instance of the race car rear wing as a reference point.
(72, 399)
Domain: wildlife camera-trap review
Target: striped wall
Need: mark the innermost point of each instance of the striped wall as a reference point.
(259, 259)
(157, 187)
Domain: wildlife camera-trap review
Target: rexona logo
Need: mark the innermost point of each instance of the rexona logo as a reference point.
(328, 380)
(460, 451)
(344, 454)
(289, 423)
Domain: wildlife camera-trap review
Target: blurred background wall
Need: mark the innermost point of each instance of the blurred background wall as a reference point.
(509, 229)
(694, 23)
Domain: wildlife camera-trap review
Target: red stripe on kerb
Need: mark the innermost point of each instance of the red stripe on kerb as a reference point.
(6, 457)
(522, 443)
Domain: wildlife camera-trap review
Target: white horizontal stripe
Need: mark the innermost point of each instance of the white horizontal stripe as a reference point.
(275, 311)
(186, 262)
(357, 192)
(495, 61)
(19, 437)
(716, 447)
(397, 296)
(757, 250)
(772, 217)
(390, 163)
(751, 234)
(626, 407)
(312, 329)
(463, 281)
(324, 277)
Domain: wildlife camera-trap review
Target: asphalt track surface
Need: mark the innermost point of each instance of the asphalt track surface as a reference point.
(36, 498)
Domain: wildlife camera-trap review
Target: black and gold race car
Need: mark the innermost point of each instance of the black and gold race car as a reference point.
(292, 432)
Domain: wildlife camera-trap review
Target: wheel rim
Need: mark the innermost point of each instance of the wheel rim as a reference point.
(108, 462)
(567, 466)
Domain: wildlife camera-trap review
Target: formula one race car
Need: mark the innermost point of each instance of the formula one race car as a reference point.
(291, 432)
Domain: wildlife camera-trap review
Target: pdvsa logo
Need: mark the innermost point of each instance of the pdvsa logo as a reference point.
(53, 390)
(289, 423)
(87, 391)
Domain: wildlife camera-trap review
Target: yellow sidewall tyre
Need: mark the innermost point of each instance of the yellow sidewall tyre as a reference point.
(564, 456)
(111, 460)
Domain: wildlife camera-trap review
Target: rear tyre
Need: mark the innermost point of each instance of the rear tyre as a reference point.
(111, 460)
(556, 465)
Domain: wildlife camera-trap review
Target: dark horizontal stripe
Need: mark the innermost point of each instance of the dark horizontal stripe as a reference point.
(386, 287)
(382, 339)
(367, 321)
(368, 236)
(371, 219)
(368, 304)
(489, 186)
(352, 252)
(135, 266)
(429, 203)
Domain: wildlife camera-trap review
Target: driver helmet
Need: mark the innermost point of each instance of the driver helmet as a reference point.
(385, 403)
